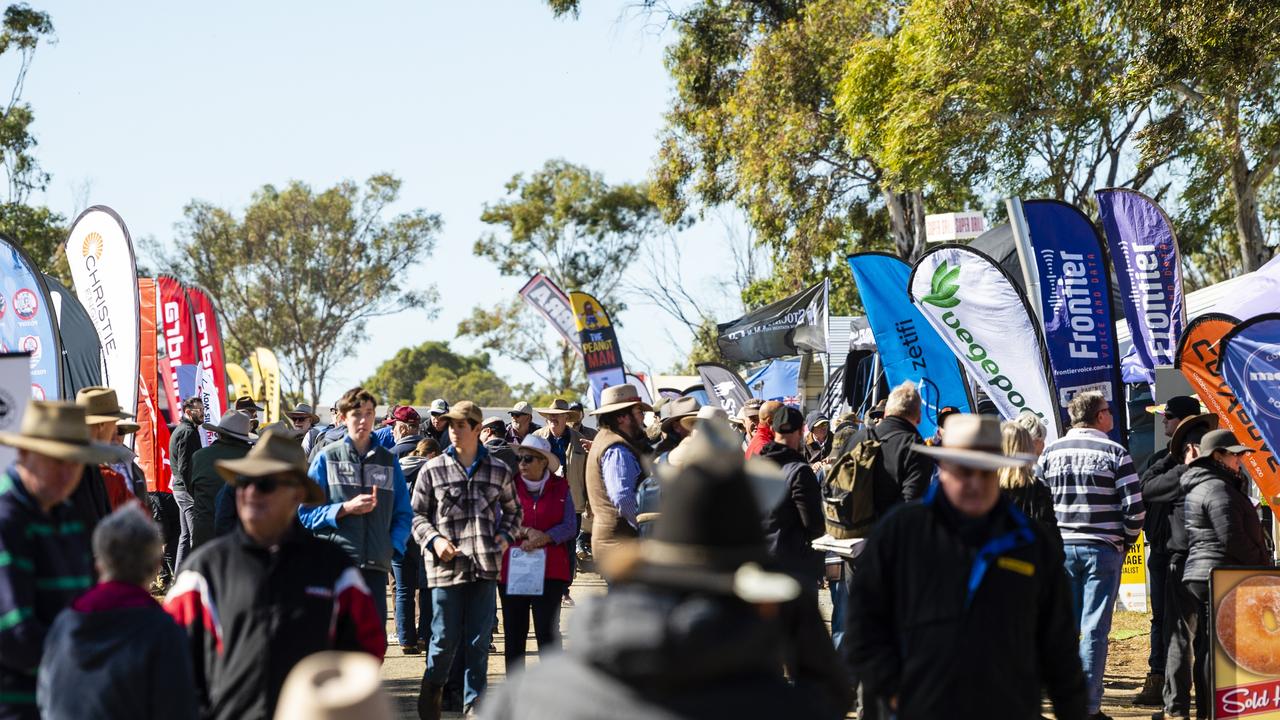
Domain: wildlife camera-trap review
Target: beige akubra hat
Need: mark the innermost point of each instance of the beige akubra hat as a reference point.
(58, 430)
(619, 397)
(100, 405)
(974, 441)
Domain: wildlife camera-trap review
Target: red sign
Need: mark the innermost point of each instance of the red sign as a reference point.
(209, 340)
(1245, 700)
(179, 339)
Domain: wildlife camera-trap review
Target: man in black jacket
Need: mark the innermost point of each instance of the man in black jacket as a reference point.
(960, 607)
(1162, 490)
(183, 444)
(796, 520)
(257, 601)
(1156, 527)
(910, 470)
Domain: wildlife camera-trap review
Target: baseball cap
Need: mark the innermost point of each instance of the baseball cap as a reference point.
(521, 408)
(494, 422)
(945, 411)
(406, 414)
(465, 410)
(787, 420)
(439, 407)
(1221, 440)
(1178, 406)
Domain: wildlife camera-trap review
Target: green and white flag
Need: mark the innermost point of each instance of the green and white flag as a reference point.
(984, 318)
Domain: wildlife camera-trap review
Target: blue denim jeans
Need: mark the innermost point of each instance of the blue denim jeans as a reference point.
(411, 580)
(1093, 574)
(839, 596)
(377, 582)
(462, 620)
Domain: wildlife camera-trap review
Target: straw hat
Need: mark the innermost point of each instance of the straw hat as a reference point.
(233, 424)
(100, 405)
(542, 447)
(125, 427)
(334, 686)
(619, 397)
(974, 441)
(559, 407)
(275, 454)
(58, 430)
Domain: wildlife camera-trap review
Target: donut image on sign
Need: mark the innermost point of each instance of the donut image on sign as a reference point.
(25, 304)
(1248, 625)
(31, 344)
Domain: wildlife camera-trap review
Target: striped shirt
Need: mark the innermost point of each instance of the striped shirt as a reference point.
(1096, 493)
(45, 563)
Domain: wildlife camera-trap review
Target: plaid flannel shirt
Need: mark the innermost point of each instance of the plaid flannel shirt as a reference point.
(469, 507)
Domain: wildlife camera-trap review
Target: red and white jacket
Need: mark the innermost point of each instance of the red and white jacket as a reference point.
(253, 613)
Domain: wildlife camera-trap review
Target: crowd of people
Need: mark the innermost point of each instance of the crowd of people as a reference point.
(982, 578)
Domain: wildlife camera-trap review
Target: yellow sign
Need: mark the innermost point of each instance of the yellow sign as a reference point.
(1133, 577)
(587, 312)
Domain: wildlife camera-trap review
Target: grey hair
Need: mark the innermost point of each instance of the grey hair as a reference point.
(1032, 423)
(904, 401)
(1085, 407)
(127, 546)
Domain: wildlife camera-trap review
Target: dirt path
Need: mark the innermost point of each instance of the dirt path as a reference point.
(1126, 664)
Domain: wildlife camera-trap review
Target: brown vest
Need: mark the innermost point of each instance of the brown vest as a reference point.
(607, 526)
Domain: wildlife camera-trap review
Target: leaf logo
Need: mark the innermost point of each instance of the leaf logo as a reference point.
(943, 287)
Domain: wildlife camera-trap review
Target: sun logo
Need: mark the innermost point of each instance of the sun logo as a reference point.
(92, 246)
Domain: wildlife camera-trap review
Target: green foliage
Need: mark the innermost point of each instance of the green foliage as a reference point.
(302, 271)
(41, 234)
(565, 221)
(1214, 65)
(479, 385)
(395, 379)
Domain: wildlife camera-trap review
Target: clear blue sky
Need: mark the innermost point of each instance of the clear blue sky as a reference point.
(150, 105)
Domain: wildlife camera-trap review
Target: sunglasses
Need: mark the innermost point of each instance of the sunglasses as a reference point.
(528, 459)
(265, 485)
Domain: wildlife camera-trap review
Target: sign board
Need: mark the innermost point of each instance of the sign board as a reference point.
(1133, 577)
(953, 227)
(1246, 647)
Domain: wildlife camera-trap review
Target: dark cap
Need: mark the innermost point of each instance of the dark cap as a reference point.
(244, 402)
(816, 418)
(1178, 406)
(787, 420)
(945, 411)
(1221, 440)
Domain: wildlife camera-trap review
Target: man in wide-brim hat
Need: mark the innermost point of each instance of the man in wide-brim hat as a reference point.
(304, 419)
(703, 624)
(987, 581)
(671, 428)
(614, 470)
(102, 487)
(213, 509)
(49, 558)
(1174, 610)
(287, 593)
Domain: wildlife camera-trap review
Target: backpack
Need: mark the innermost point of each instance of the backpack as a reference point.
(848, 495)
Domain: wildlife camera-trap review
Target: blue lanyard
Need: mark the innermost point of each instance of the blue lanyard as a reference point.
(995, 547)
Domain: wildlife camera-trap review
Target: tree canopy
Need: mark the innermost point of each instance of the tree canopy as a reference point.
(302, 271)
(425, 372)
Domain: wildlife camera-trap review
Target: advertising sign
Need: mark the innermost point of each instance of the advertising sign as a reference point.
(1245, 644)
(600, 353)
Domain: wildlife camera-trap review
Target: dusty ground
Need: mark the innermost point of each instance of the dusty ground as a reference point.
(1126, 663)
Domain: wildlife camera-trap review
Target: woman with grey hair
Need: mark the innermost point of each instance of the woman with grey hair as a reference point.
(1034, 426)
(115, 652)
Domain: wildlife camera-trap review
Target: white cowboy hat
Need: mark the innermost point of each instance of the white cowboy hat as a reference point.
(542, 447)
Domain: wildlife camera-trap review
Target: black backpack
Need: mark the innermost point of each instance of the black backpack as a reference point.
(848, 490)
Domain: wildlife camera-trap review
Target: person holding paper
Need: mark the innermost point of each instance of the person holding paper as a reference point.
(548, 526)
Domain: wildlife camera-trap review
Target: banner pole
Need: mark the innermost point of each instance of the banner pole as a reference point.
(875, 379)
(1026, 256)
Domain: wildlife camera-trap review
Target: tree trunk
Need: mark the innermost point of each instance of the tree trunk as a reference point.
(906, 222)
(1253, 248)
